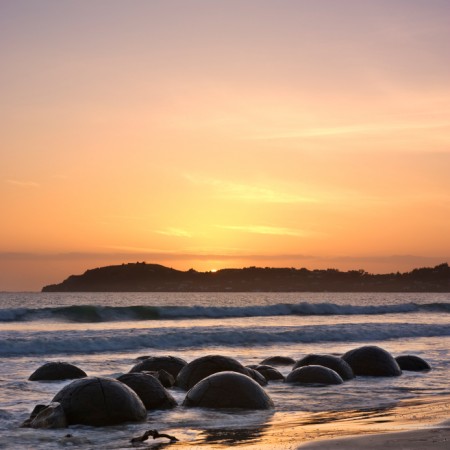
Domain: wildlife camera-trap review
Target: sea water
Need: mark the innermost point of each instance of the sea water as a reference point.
(104, 333)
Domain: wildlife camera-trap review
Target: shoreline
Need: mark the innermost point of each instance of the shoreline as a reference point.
(410, 425)
(436, 438)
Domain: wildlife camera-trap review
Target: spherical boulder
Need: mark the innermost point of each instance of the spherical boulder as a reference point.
(228, 390)
(314, 375)
(164, 377)
(204, 366)
(371, 360)
(100, 401)
(278, 361)
(57, 370)
(332, 362)
(258, 377)
(149, 389)
(171, 364)
(269, 372)
(412, 363)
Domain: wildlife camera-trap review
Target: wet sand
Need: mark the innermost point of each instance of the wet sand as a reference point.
(408, 425)
(413, 424)
(430, 438)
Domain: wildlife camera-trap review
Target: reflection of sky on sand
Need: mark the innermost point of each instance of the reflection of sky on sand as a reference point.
(234, 436)
(303, 427)
(220, 427)
(278, 430)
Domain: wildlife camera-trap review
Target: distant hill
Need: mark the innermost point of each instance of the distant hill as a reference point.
(142, 277)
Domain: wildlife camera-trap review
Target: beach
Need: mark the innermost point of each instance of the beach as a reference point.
(106, 334)
(435, 438)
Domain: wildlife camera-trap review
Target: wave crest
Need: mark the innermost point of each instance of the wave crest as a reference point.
(93, 313)
(93, 341)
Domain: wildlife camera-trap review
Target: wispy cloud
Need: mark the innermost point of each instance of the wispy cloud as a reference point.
(23, 183)
(176, 232)
(231, 190)
(262, 229)
(359, 129)
(131, 250)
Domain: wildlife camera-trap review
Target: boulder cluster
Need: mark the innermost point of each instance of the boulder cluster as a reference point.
(212, 381)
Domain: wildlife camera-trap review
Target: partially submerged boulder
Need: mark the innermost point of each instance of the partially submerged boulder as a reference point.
(149, 389)
(57, 370)
(332, 362)
(269, 372)
(258, 377)
(204, 366)
(171, 364)
(371, 360)
(314, 375)
(278, 361)
(412, 363)
(100, 401)
(228, 390)
(164, 377)
(46, 416)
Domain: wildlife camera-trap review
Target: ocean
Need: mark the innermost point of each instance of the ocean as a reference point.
(105, 333)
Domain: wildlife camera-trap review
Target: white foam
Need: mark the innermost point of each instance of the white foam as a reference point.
(89, 341)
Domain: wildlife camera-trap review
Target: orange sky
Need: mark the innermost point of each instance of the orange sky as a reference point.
(213, 134)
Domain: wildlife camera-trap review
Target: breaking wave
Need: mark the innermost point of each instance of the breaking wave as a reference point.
(17, 343)
(93, 313)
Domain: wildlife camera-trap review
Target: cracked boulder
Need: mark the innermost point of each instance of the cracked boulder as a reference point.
(228, 390)
(100, 401)
(46, 416)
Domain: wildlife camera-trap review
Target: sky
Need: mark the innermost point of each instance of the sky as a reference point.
(230, 133)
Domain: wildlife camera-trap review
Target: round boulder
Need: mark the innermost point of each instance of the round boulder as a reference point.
(314, 375)
(164, 377)
(258, 377)
(278, 361)
(149, 389)
(204, 366)
(228, 390)
(171, 364)
(100, 401)
(372, 361)
(57, 370)
(332, 362)
(269, 372)
(412, 363)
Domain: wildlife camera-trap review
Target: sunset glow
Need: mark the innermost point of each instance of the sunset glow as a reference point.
(203, 134)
